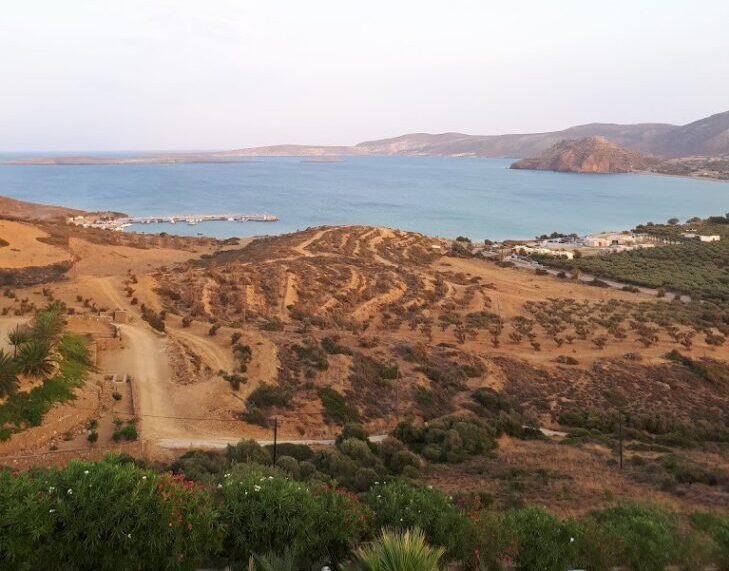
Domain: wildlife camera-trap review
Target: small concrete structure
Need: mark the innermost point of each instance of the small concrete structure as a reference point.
(702, 238)
(120, 316)
(556, 253)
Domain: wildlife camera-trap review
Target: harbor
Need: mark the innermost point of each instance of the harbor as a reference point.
(119, 223)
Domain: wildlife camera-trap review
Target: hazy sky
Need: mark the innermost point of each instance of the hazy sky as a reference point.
(208, 74)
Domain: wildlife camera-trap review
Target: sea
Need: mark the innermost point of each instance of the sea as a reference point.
(438, 196)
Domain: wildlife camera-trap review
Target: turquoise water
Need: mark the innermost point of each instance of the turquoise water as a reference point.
(479, 198)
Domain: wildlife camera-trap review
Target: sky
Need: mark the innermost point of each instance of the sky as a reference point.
(117, 75)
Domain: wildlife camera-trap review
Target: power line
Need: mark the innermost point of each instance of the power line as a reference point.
(203, 418)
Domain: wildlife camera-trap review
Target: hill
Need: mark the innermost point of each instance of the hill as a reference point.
(11, 208)
(706, 137)
(335, 324)
(588, 155)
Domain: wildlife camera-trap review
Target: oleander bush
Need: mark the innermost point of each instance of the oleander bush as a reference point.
(267, 512)
(400, 506)
(117, 514)
(104, 515)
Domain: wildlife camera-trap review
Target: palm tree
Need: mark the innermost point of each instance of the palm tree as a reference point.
(8, 374)
(19, 336)
(397, 551)
(48, 324)
(274, 562)
(34, 359)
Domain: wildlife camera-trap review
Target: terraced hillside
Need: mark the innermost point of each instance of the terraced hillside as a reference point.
(389, 327)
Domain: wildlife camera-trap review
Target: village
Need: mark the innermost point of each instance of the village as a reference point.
(574, 246)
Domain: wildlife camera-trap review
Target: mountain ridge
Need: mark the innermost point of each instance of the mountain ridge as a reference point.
(708, 136)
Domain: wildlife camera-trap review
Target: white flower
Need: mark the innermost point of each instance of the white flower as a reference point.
(220, 486)
(86, 472)
(70, 491)
(270, 477)
(263, 479)
(129, 535)
(572, 539)
(51, 489)
(144, 477)
(257, 488)
(226, 475)
(51, 511)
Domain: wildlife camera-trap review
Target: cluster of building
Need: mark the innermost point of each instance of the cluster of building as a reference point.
(606, 242)
(592, 244)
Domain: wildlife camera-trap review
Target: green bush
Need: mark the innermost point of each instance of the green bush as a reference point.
(199, 465)
(266, 396)
(718, 529)
(640, 537)
(105, 515)
(336, 409)
(531, 537)
(398, 505)
(267, 512)
(451, 440)
(290, 465)
(247, 451)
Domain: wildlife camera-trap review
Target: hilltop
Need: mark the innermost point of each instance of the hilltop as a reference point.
(588, 155)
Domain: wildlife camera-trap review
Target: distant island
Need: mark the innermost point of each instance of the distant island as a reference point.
(700, 148)
(588, 155)
(599, 155)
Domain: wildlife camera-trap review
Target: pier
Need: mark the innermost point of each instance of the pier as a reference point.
(119, 224)
(197, 218)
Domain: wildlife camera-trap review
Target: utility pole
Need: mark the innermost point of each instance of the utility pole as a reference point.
(275, 438)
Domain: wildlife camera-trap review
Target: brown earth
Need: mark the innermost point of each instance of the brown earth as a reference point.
(11, 208)
(380, 316)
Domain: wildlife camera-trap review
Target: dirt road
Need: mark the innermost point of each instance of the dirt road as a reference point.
(218, 443)
(215, 356)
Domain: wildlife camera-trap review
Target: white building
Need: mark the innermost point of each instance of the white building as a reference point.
(556, 253)
(702, 238)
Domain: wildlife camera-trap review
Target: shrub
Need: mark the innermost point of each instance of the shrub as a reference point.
(300, 452)
(401, 506)
(717, 527)
(449, 440)
(266, 513)
(290, 465)
(247, 451)
(266, 396)
(352, 430)
(641, 537)
(531, 537)
(105, 515)
(332, 346)
(199, 465)
(336, 409)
